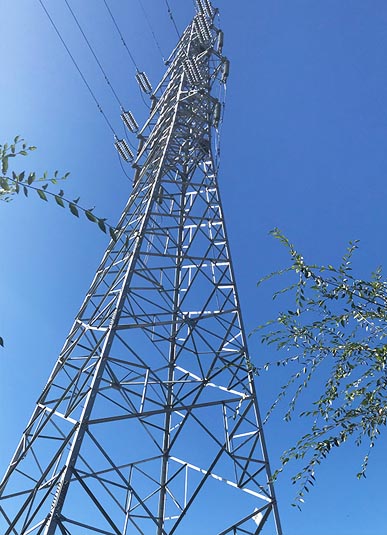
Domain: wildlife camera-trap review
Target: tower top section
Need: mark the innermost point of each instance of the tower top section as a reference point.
(193, 86)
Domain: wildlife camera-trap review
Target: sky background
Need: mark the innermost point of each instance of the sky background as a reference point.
(303, 149)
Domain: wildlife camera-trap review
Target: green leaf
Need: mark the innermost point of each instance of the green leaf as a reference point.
(31, 178)
(41, 194)
(90, 216)
(4, 184)
(45, 187)
(32, 148)
(4, 165)
(73, 209)
(59, 201)
(25, 191)
(102, 225)
(1, 342)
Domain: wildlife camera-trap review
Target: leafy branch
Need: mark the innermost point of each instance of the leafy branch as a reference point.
(335, 335)
(13, 183)
(26, 182)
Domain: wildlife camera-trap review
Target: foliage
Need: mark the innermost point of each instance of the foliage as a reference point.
(336, 337)
(12, 184)
(24, 182)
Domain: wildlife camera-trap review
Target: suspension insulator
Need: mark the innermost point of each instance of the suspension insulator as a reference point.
(192, 72)
(129, 121)
(123, 149)
(206, 25)
(209, 8)
(225, 70)
(203, 28)
(205, 8)
(200, 6)
(144, 82)
(220, 41)
(187, 71)
(217, 114)
(196, 70)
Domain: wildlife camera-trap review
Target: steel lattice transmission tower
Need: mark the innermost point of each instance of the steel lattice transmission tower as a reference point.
(149, 422)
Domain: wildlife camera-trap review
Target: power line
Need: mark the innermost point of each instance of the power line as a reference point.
(94, 54)
(172, 17)
(77, 67)
(151, 30)
(122, 37)
(128, 51)
(123, 169)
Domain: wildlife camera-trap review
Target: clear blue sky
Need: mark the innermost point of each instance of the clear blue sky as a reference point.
(303, 148)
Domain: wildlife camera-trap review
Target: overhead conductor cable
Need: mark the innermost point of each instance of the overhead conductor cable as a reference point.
(92, 51)
(76, 66)
(172, 17)
(152, 31)
(122, 37)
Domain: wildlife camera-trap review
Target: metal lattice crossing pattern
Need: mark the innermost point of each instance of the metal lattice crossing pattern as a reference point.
(149, 422)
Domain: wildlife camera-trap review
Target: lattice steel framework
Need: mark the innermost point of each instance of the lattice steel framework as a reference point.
(149, 422)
